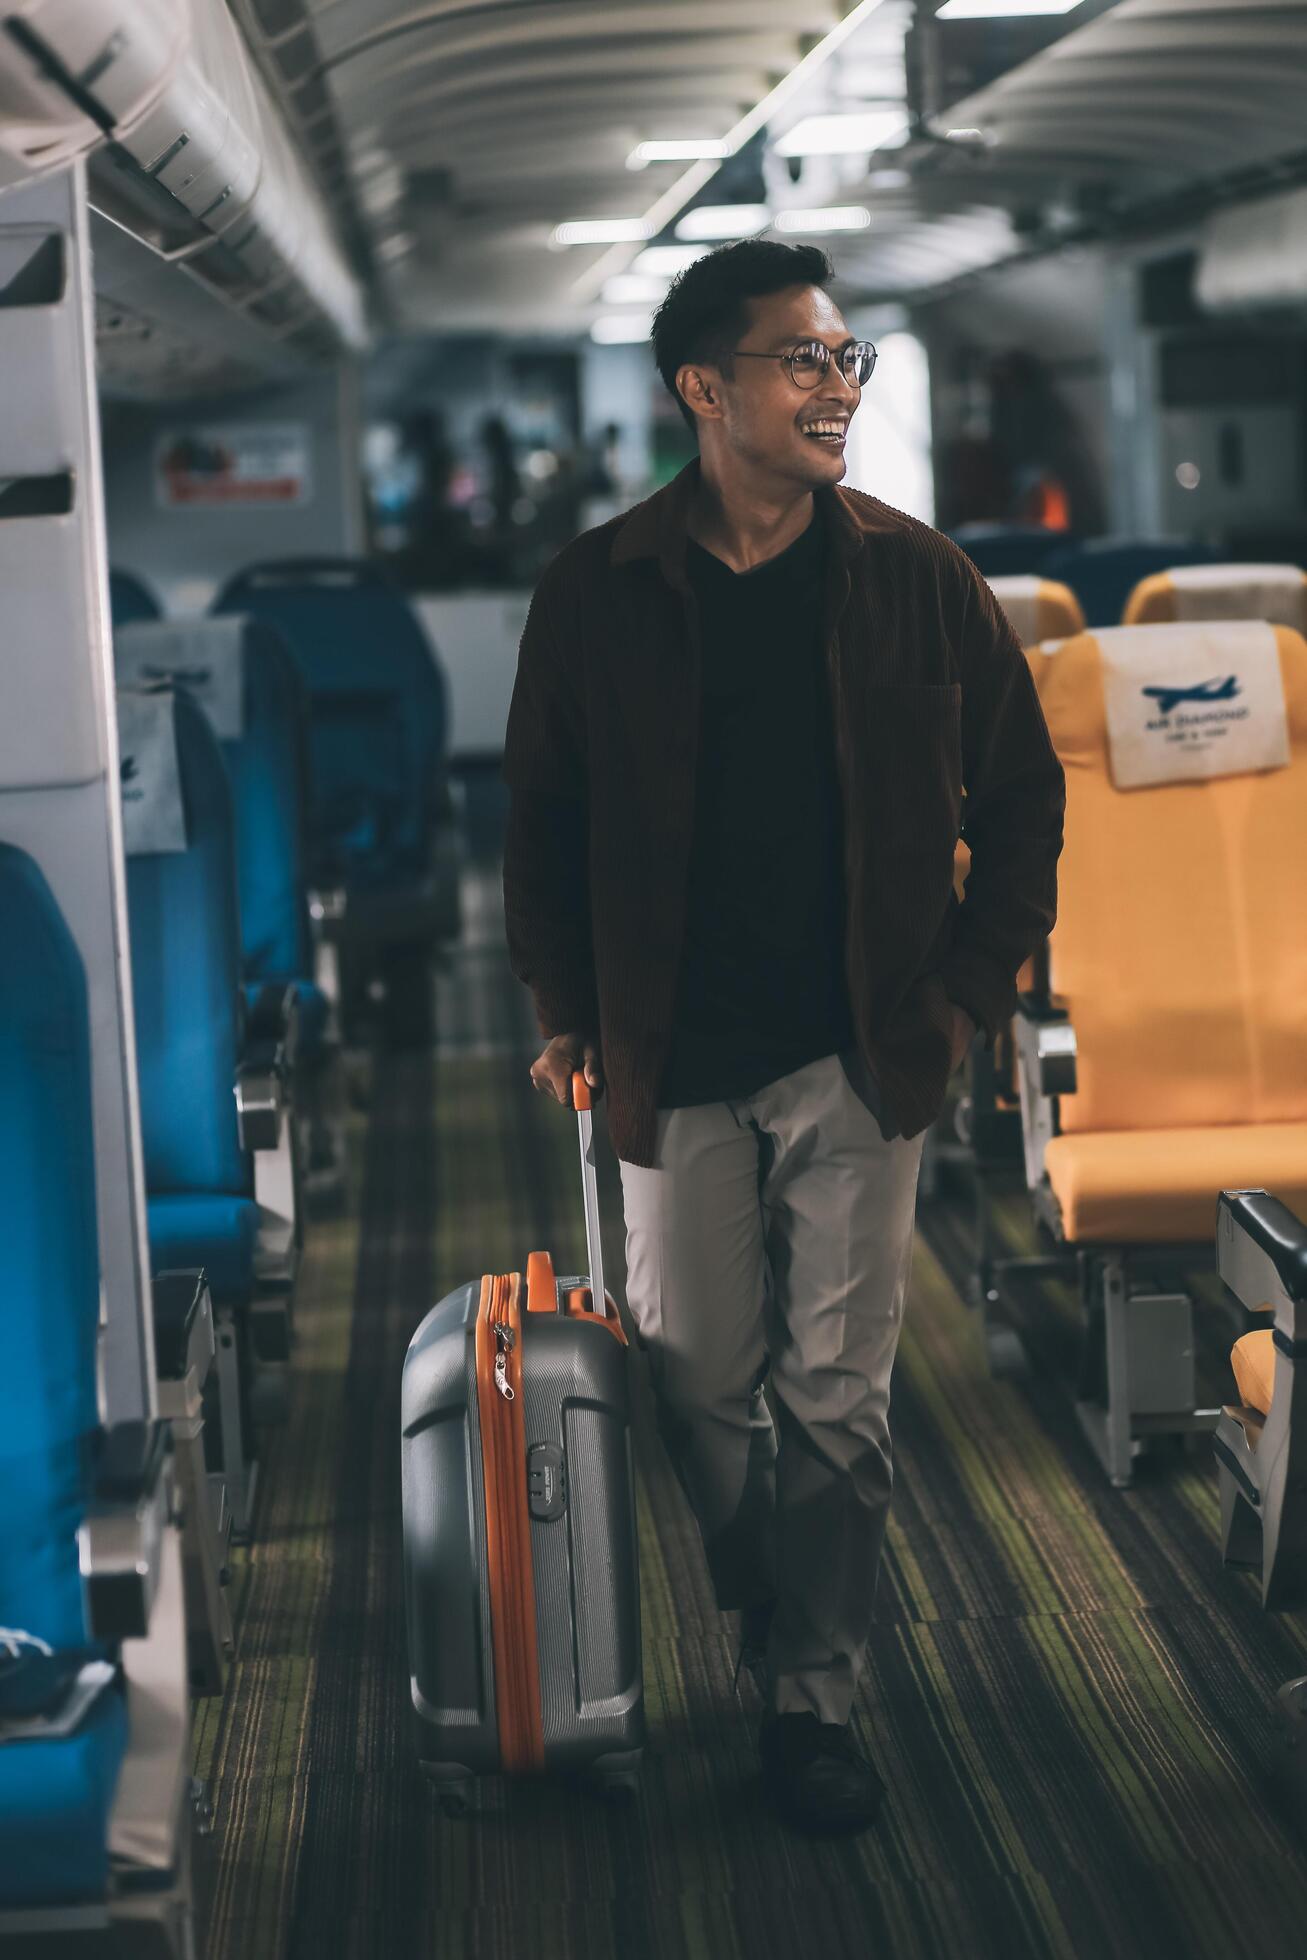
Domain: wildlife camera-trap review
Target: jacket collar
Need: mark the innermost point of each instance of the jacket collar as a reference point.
(656, 528)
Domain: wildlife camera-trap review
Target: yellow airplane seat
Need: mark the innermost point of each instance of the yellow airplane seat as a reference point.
(1168, 1059)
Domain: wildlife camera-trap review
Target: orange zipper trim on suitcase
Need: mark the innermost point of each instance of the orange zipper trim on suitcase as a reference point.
(508, 1525)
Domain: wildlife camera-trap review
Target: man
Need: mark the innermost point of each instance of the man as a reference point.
(743, 719)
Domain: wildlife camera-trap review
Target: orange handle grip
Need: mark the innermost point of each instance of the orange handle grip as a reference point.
(541, 1292)
(580, 1090)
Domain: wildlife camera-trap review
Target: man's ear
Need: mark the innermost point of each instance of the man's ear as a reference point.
(696, 388)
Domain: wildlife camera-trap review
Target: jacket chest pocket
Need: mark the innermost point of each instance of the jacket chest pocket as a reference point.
(911, 736)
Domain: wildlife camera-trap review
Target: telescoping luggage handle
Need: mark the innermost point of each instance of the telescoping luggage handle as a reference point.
(594, 1251)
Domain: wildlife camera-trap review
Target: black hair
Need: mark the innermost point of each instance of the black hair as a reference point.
(706, 310)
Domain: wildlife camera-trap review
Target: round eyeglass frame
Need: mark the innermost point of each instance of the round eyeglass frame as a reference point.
(849, 365)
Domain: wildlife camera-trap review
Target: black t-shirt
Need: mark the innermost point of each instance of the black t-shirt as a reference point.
(762, 989)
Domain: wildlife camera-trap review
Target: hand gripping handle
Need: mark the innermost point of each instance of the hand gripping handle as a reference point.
(590, 1190)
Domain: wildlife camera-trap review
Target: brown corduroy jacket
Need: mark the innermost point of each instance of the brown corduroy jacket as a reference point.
(931, 696)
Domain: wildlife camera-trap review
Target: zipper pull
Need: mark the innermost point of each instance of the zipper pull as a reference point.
(505, 1341)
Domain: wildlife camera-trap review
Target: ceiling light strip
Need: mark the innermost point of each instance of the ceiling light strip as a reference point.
(692, 181)
(1003, 9)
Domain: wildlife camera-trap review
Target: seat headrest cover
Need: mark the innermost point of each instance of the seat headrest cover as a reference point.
(1187, 703)
(1037, 607)
(1018, 595)
(154, 818)
(1277, 593)
(205, 656)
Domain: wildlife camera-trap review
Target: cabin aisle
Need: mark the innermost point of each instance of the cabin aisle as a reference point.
(1070, 1705)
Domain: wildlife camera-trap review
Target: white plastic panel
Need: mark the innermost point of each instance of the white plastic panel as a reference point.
(51, 732)
(59, 770)
(32, 442)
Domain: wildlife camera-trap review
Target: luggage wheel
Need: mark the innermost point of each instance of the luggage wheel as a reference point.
(453, 1787)
(618, 1776)
(1005, 1352)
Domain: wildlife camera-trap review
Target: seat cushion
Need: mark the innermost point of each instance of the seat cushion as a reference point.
(216, 1233)
(1141, 1187)
(1253, 1359)
(55, 1800)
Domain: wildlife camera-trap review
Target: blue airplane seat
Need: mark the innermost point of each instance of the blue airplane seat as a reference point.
(243, 676)
(130, 598)
(269, 775)
(271, 787)
(55, 1798)
(55, 1793)
(185, 944)
(1105, 571)
(1010, 550)
(378, 725)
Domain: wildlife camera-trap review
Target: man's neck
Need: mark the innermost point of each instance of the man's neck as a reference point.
(746, 524)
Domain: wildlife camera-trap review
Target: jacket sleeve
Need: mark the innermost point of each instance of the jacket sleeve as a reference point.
(546, 846)
(1015, 799)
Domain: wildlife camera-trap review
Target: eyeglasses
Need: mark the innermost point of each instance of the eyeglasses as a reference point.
(809, 361)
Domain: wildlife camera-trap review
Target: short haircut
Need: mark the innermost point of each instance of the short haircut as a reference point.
(706, 311)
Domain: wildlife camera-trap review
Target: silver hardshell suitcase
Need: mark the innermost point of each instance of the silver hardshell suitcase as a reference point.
(520, 1568)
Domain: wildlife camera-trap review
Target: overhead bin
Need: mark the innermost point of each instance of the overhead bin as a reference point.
(120, 55)
(1254, 256)
(187, 153)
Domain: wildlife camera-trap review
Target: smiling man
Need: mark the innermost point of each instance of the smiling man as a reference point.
(744, 718)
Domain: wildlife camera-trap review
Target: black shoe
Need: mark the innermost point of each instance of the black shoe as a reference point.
(814, 1776)
(755, 1627)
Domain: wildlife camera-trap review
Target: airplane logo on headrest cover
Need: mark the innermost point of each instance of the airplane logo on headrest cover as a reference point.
(1168, 699)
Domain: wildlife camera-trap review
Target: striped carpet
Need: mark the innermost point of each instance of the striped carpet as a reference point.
(1070, 1703)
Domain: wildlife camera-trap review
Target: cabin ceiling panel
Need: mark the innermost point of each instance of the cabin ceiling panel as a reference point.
(1184, 91)
(471, 128)
(526, 111)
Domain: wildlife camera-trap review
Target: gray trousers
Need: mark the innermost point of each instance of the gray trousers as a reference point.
(779, 1228)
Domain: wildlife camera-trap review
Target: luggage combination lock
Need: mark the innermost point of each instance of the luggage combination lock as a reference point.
(545, 1481)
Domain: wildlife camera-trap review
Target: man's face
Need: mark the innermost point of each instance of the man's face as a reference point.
(795, 435)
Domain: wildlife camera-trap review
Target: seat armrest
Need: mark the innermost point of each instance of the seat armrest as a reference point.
(261, 1098)
(1046, 1043)
(120, 1538)
(1261, 1252)
(1046, 1069)
(271, 1016)
(264, 1055)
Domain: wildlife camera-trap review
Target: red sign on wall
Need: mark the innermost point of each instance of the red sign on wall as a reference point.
(250, 463)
